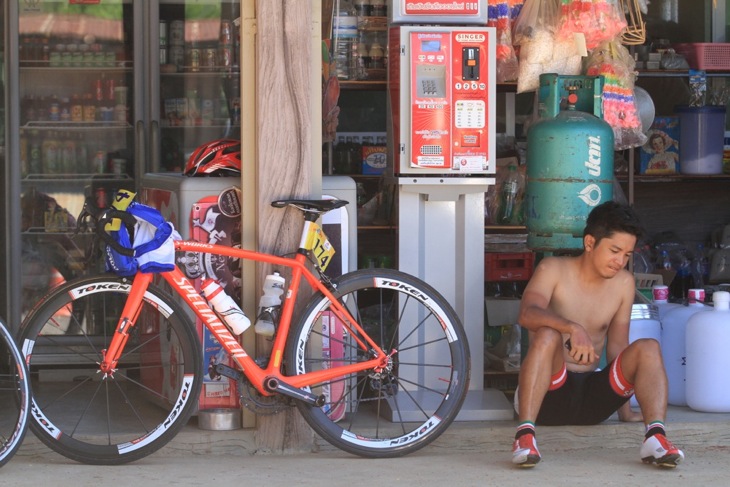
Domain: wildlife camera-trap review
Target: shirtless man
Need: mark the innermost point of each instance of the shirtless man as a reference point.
(572, 307)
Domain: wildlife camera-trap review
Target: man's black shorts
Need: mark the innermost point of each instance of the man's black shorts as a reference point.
(585, 398)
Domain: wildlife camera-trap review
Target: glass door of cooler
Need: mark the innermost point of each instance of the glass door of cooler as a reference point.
(194, 78)
(75, 73)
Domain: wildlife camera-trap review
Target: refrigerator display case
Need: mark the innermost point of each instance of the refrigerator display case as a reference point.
(102, 93)
(196, 78)
(74, 72)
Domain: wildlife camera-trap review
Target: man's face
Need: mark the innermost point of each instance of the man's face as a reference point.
(612, 253)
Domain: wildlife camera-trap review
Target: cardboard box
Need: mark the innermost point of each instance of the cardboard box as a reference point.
(660, 153)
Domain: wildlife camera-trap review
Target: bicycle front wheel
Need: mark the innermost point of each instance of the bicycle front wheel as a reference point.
(117, 418)
(400, 409)
(14, 397)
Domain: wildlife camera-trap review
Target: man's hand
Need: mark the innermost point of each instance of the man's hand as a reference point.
(580, 346)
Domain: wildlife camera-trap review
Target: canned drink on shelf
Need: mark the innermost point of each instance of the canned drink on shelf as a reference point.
(54, 112)
(225, 56)
(226, 36)
(163, 55)
(194, 59)
(99, 165)
(163, 33)
(176, 56)
(177, 33)
(209, 60)
(110, 59)
(120, 113)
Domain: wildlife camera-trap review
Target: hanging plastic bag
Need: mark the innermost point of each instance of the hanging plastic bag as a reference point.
(597, 20)
(536, 16)
(500, 17)
(614, 62)
(541, 51)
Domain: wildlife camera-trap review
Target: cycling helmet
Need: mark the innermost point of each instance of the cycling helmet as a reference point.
(217, 158)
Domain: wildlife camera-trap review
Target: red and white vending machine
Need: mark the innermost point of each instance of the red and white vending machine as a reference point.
(442, 129)
(442, 94)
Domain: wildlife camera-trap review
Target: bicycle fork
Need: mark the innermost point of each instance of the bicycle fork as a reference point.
(130, 313)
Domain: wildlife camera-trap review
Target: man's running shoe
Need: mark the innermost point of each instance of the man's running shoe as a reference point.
(659, 450)
(524, 451)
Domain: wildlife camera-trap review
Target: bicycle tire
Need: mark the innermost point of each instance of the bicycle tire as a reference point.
(398, 411)
(124, 416)
(14, 396)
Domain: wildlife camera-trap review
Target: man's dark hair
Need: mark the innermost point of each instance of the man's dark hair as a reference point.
(610, 217)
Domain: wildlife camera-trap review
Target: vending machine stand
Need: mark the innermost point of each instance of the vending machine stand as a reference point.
(441, 240)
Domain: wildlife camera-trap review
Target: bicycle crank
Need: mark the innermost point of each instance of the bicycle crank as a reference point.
(272, 384)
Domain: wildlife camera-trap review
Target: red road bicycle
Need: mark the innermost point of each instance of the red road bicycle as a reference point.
(377, 361)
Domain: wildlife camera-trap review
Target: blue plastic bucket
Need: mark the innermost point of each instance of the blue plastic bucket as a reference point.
(701, 138)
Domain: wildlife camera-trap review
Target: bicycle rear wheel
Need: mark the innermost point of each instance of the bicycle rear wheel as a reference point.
(399, 410)
(14, 397)
(118, 418)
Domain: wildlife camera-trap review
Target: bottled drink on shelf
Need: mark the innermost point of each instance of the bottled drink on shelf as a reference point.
(82, 155)
(700, 267)
(665, 262)
(362, 8)
(344, 36)
(355, 155)
(68, 154)
(50, 153)
(270, 304)
(378, 8)
(508, 197)
(35, 153)
(225, 307)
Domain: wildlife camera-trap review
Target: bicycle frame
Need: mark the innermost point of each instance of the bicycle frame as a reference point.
(257, 375)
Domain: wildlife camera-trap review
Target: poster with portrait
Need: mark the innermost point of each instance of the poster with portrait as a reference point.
(660, 153)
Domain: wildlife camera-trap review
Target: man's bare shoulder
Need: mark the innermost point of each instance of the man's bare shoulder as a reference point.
(555, 264)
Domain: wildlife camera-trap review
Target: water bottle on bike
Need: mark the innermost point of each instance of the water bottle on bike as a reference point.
(269, 304)
(225, 307)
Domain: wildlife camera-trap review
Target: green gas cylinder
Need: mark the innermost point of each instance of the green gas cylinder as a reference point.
(569, 162)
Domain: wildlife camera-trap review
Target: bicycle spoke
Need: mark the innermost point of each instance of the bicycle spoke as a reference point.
(118, 417)
(412, 397)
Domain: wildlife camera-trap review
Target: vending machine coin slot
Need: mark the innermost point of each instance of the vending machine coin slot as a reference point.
(470, 64)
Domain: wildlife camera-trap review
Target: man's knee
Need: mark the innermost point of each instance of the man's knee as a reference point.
(646, 348)
(545, 339)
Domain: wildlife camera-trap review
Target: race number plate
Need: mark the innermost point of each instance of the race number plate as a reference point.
(320, 247)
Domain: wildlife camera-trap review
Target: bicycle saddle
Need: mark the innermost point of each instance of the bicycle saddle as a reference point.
(321, 206)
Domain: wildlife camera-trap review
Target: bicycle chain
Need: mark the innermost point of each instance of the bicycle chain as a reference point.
(250, 397)
(261, 405)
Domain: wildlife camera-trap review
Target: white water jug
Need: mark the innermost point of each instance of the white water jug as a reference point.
(644, 324)
(674, 326)
(708, 360)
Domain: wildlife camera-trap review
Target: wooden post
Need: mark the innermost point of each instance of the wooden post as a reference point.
(283, 168)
